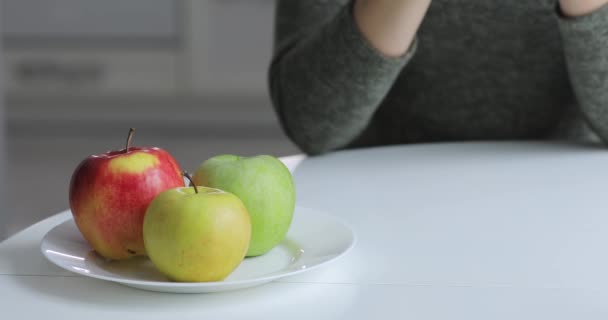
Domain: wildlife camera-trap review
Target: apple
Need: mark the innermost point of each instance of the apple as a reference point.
(196, 234)
(266, 188)
(110, 192)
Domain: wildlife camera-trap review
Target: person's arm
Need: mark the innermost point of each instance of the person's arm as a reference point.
(577, 8)
(331, 71)
(390, 25)
(584, 28)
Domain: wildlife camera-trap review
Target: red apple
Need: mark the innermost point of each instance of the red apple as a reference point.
(110, 192)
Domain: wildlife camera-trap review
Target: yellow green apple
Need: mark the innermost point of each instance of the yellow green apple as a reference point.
(266, 188)
(110, 192)
(196, 234)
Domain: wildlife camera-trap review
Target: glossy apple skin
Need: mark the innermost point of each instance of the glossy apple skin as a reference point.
(266, 188)
(110, 192)
(196, 237)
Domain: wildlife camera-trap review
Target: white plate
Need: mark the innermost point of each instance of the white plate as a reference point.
(314, 239)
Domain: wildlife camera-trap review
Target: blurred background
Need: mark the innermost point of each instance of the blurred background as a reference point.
(189, 75)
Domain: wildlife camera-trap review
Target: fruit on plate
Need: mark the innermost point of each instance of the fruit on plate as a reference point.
(266, 188)
(110, 192)
(196, 234)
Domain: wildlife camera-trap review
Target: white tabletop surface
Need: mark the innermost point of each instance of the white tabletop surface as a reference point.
(445, 231)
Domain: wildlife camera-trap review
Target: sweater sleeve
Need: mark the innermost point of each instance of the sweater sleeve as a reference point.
(585, 42)
(326, 81)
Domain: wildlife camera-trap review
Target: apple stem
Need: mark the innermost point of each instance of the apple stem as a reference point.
(187, 175)
(129, 137)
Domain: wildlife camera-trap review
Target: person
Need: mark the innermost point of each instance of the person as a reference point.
(348, 74)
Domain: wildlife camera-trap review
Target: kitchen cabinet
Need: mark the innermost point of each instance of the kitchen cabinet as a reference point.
(137, 47)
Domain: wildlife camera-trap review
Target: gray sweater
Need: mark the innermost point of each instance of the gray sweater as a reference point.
(478, 70)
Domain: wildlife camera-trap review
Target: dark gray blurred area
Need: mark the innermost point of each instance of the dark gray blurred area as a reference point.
(189, 75)
(3, 205)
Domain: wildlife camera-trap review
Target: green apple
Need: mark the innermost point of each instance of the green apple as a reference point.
(266, 188)
(196, 234)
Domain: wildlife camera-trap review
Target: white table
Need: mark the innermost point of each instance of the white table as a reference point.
(445, 231)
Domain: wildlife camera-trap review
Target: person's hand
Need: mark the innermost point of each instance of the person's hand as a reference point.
(575, 8)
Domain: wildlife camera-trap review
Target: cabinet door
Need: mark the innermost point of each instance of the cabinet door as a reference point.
(91, 47)
(88, 19)
(230, 45)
